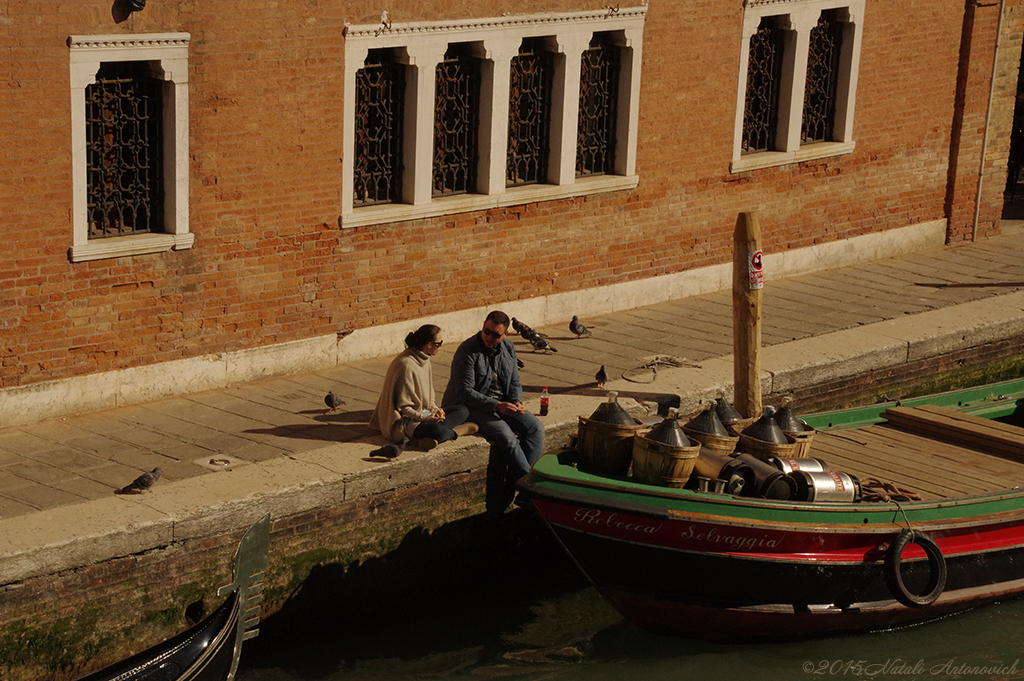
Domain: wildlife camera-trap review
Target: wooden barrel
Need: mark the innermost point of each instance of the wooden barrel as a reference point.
(765, 450)
(656, 463)
(803, 439)
(719, 444)
(606, 447)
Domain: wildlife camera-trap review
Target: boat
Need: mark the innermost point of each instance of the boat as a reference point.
(944, 532)
(210, 650)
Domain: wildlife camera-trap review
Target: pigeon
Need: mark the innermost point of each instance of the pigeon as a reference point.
(391, 450)
(141, 483)
(578, 328)
(541, 344)
(601, 377)
(524, 330)
(333, 402)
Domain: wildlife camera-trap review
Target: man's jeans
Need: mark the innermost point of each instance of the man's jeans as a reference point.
(519, 438)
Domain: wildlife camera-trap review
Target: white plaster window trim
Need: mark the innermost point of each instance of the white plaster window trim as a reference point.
(170, 51)
(500, 38)
(802, 16)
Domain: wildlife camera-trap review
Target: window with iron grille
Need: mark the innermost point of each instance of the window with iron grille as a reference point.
(798, 75)
(492, 114)
(456, 108)
(529, 114)
(822, 79)
(124, 143)
(764, 76)
(380, 106)
(599, 87)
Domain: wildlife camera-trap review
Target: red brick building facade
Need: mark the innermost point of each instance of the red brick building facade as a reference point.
(261, 244)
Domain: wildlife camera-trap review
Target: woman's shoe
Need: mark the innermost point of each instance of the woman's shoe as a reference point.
(424, 443)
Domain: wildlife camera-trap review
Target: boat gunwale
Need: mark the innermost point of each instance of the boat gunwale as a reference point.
(793, 558)
(692, 497)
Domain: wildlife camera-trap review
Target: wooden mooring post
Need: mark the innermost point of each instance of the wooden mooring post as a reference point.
(747, 283)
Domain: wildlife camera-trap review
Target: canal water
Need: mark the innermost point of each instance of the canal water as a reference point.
(513, 607)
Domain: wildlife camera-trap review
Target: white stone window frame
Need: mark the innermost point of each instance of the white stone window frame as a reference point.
(170, 52)
(498, 40)
(800, 17)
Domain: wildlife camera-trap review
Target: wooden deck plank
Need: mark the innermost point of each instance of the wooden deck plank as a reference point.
(944, 458)
(888, 456)
(953, 426)
(849, 456)
(908, 460)
(980, 465)
(865, 472)
(933, 451)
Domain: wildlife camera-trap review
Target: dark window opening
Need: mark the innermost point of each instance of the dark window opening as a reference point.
(599, 94)
(380, 105)
(456, 111)
(529, 114)
(822, 86)
(124, 151)
(764, 78)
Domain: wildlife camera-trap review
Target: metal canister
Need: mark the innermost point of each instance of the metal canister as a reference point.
(789, 465)
(826, 486)
(737, 477)
(769, 481)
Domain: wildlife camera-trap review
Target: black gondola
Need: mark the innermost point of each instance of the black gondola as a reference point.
(210, 650)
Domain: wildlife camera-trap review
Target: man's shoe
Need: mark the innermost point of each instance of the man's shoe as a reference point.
(466, 429)
(424, 443)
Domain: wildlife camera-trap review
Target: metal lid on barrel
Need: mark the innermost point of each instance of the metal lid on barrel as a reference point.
(668, 432)
(708, 422)
(726, 412)
(612, 412)
(766, 429)
(787, 420)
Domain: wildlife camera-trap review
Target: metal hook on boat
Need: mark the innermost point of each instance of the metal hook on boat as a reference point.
(936, 569)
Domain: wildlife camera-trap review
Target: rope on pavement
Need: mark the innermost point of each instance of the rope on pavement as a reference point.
(636, 374)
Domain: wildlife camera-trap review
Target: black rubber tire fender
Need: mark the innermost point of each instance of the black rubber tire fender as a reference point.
(936, 569)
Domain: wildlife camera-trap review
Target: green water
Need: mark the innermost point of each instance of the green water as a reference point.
(515, 608)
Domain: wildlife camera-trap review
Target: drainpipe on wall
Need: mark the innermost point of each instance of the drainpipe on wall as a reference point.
(988, 117)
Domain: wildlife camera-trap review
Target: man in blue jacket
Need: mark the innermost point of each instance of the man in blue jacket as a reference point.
(485, 378)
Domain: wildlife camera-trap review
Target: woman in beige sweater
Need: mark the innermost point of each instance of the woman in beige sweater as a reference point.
(407, 407)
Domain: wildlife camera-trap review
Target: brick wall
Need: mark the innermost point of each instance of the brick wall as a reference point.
(270, 264)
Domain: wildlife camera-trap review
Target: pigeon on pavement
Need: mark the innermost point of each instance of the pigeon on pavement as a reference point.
(391, 450)
(141, 483)
(524, 330)
(578, 328)
(601, 377)
(542, 345)
(333, 402)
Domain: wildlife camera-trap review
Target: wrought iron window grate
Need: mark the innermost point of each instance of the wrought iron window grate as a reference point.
(456, 110)
(124, 151)
(822, 80)
(764, 76)
(599, 89)
(529, 115)
(380, 105)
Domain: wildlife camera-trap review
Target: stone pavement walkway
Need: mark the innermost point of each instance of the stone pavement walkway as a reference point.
(75, 459)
